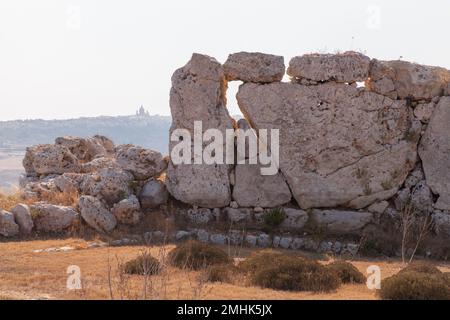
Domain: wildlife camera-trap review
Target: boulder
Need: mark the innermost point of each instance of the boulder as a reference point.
(142, 163)
(198, 94)
(22, 216)
(255, 190)
(341, 222)
(153, 194)
(110, 184)
(254, 67)
(404, 79)
(434, 152)
(95, 214)
(99, 164)
(343, 67)
(8, 227)
(199, 215)
(128, 211)
(441, 221)
(294, 218)
(48, 159)
(237, 215)
(334, 135)
(53, 218)
(422, 198)
(86, 149)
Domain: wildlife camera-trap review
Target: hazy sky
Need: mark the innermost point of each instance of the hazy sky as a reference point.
(64, 59)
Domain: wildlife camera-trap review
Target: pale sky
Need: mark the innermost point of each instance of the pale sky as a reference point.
(65, 59)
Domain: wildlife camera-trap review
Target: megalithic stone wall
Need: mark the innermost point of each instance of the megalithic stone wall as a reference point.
(349, 126)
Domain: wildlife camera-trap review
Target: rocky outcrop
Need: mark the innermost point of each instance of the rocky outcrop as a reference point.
(254, 67)
(95, 214)
(335, 135)
(53, 218)
(8, 227)
(22, 216)
(402, 79)
(434, 151)
(345, 67)
(198, 94)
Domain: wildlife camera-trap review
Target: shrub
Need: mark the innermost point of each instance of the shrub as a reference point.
(258, 260)
(415, 286)
(144, 264)
(346, 272)
(196, 255)
(220, 273)
(274, 217)
(296, 274)
(421, 267)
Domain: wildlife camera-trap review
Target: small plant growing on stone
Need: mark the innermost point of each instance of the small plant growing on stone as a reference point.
(274, 218)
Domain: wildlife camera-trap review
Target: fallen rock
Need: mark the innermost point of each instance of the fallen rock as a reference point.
(198, 94)
(434, 152)
(95, 214)
(255, 190)
(46, 159)
(407, 80)
(128, 211)
(343, 136)
(8, 227)
(254, 67)
(53, 218)
(142, 163)
(153, 194)
(341, 222)
(343, 67)
(22, 216)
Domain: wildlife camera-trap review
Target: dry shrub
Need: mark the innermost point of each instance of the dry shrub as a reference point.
(61, 198)
(258, 260)
(295, 274)
(144, 264)
(220, 273)
(421, 267)
(7, 202)
(197, 255)
(347, 272)
(415, 286)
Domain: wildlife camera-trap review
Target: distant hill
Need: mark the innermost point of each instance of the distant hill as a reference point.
(143, 130)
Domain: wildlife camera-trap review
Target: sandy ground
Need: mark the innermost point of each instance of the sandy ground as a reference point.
(29, 274)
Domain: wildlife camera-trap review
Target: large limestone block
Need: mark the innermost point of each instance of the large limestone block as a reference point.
(434, 151)
(341, 222)
(87, 149)
(254, 67)
(50, 159)
(22, 216)
(94, 212)
(53, 218)
(142, 163)
(8, 227)
(344, 67)
(407, 80)
(255, 190)
(198, 94)
(339, 145)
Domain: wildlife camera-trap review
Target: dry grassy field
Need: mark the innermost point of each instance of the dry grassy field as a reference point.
(27, 273)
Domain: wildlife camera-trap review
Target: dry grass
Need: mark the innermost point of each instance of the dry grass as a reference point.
(25, 274)
(8, 201)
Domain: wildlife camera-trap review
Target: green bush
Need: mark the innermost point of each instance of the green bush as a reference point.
(144, 264)
(415, 286)
(295, 274)
(421, 267)
(274, 217)
(346, 272)
(197, 255)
